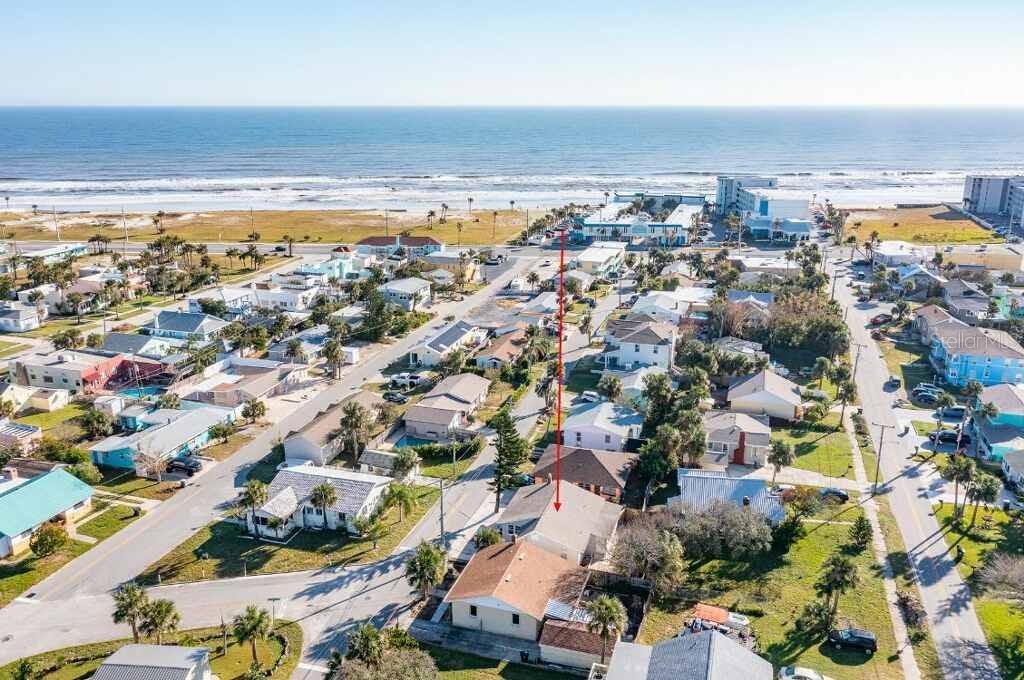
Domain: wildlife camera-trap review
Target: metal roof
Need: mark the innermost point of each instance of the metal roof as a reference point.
(39, 499)
(700, 489)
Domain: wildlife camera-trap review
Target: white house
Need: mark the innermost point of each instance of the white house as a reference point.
(601, 425)
(447, 407)
(459, 335)
(50, 298)
(737, 438)
(16, 317)
(648, 343)
(601, 258)
(185, 326)
(290, 505)
(897, 253)
(156, 662)
(766, 393)
(676, 305)
(318, 442)
(409, 294)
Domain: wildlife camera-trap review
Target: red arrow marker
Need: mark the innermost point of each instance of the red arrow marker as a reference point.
(561, 368)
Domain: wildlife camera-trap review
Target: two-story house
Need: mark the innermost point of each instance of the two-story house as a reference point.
(185, 326)
(409, 294)
(1003, 433)
(386, 246)
(968, 302)
(737, 438)
(648, 343)
(963, 353)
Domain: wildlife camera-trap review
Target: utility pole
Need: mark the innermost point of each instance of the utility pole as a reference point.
(878, 457)
(835, 277)
(856, 361)
(56, 224)
(124, 225)
(444, 536)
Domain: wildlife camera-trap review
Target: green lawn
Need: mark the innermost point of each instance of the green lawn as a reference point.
(442, 467)
(125, 483)
(224, 549)
(48, 421)
(923, 427)
(9, 348)
(581, 379)
(458, 666)
(224, 450)
(231, 665)
(19, 575)
(820, 448)
(773, 591)
(1002, 622)
(907, 361)
(109, 522)
(796, 359)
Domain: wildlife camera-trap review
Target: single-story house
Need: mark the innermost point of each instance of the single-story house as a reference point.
(634, 382)
(604, 473)
(698, 489)
(582, 531)
(16, 317)
(318, 442)
(290, 507)
(385, 246)
(766, 393)
(447, 407)
(508, 589)
(737, 438)
(185, 326)
(156, 662)
(166, 434)
(409, 293)
(1013, 467)
(602, 425)
(379, 462)
(897, 253)
(24, 438)
(502, 350)
(459, 335)
(738, 347)
(27, 504)
(707, 655)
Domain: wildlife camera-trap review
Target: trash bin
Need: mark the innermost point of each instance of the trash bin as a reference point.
(524, 656)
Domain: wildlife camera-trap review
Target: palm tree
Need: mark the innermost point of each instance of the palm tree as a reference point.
(253, 497)
(366, 644)
(425, 569)
(470, 202)
(322, 497)
(231, 254)
(822, 368)
(846, 392)
(336, 660)
(130, 604)
(607, 616)
(458, 228)
(160, 617)
(838, 575)
(251, 626)
(985, 489)
(780, 454)
(533, 278)
(942, 402)
(355, 422)
(971, 391)
(610, 386)
(295, 351)
(988, 411)
(403, 497)
(959, 470)
(334, 355)
(290, 240)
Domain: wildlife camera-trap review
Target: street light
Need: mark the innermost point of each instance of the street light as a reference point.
(878, 458)
(273, 609)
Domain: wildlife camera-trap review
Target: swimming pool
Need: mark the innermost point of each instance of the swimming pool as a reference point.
(406, 440)
(141, 392)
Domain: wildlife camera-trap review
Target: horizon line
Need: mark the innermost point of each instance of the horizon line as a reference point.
(553, 107)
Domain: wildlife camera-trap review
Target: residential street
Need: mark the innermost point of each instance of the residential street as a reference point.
(73, 605)
(963, 649)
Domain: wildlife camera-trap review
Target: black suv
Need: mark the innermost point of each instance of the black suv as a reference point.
(854, 638)
(949, 437)
(189, 466)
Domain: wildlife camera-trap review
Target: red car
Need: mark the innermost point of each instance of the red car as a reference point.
(879, 319)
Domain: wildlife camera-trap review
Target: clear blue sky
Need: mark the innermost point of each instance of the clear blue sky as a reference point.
(398, 52)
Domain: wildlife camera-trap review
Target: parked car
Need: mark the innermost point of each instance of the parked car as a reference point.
(954, 412)
(492, 261)
(589, 302)
(861, 263)
(395, 397)
(893, 382)
(800, 673)
(189, 466)
(545, 263)
(879, 319)
(927, 387)
(925, 398)
(406, 379)
(279, 249)
(877, 335)
(834, 492)
(949, 437)
(864, 298)
(861, 276)
(590, 396)
(854, 638)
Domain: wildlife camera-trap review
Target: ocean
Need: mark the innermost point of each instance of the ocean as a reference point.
(316, 158)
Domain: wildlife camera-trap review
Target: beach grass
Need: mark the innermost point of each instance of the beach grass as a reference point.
(482, 227)
(937, 224)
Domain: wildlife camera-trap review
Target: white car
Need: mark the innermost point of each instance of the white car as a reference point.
(800, 673)
(590, 396)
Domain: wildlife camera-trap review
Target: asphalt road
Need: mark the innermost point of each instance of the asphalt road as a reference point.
(963, 649)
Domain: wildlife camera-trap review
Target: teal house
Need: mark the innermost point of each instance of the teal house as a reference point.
(165, 433)
(1003, 434)
(27, 504)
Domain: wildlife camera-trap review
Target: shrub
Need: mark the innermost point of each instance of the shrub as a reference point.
(48, 539)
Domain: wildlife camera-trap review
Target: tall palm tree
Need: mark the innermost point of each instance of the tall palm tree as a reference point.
(533, 278)
(253, 497)
(845, 392)
(251, 626)
(470, 202)
(458, 228)
(323, 497)
(130, 604)
(985, 489)
(838, 575)
(607, 616)
(334, 355)
(425, 569)
(355, 422)
(971, 391)
(942, 402)
(961, 471)
(780, 454)
(161, 617)
(821, 370)
(403, 497)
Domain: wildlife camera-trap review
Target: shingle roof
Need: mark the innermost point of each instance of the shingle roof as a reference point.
(707, 655)
(186, 322)
(1014, 460)
(605, 416)
(645, 333)
(409, 285)
(933, 313)
(464, 387)
(700, 489)
(505, 348)
(352, 488)
(974, 341)
(764, 299)
(585, 519)
(571, 635)
(608, 469)
(766, 381)
(1006, 397)
(38, 499)
(151, 662)
(726, 426)
(520, 574)
(319, 431)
